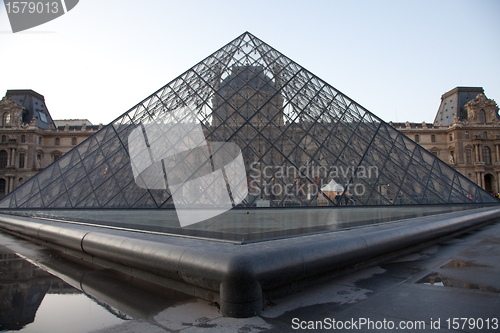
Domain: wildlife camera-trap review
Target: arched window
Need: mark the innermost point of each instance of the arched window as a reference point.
(58, 141)
(433, 138)
(73, 141)
(2, 187)
(482, 116)
(486, 155)
(3, 159)
(23, 138)
(466, 135)
(6, 119)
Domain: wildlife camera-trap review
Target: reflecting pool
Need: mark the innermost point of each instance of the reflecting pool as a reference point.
(244, 225)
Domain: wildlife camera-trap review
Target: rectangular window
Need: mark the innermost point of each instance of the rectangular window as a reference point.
(486, 155)
(468, 156)
(21, 160)
(56, 157)
(417, 138)
(433, 138)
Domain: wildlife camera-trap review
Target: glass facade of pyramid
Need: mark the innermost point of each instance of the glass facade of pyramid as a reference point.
(251, 129)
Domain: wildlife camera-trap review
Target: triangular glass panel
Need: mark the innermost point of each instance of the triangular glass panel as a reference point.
(413, 188)
(375, 198)
(99, 175)
(145, 202)
(79, 191)
(89, 202)
(22, 194)
(53, 190)
(61, 202)
(118, 201)
(46, 175)
(110, 133)
(402, 198)
(34, 201)
(87, 147)
(297, 142)
(6, 203)
(132, 195)
(107, 191)
(99, 136)
(67, 161)
(74, 175)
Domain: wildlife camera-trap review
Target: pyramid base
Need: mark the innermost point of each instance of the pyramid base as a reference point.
(242, 277)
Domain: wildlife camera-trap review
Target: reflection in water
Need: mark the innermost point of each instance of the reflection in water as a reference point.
(22, 289)
(56, 294)
(461, 264)
(75, 313)
(437, 279)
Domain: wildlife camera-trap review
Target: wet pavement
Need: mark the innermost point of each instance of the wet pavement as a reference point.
(32, 299)
(431, 290)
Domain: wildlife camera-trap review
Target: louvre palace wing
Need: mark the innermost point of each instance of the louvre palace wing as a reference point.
(246, 127)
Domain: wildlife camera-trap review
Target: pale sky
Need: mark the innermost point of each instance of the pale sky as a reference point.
(395, 58)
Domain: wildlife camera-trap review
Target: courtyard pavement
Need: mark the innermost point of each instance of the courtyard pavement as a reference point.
(453, 286)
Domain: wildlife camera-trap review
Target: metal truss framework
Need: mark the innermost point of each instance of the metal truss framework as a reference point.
(303, 143)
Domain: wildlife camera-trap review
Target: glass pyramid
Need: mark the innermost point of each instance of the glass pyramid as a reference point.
(246, 127)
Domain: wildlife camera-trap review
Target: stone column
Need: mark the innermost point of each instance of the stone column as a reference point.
(497, 154)
(498, 181)
(11, 184)
(13, 157)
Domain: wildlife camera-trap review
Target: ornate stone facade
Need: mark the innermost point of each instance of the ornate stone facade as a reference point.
(470, 143)
(25, 146)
